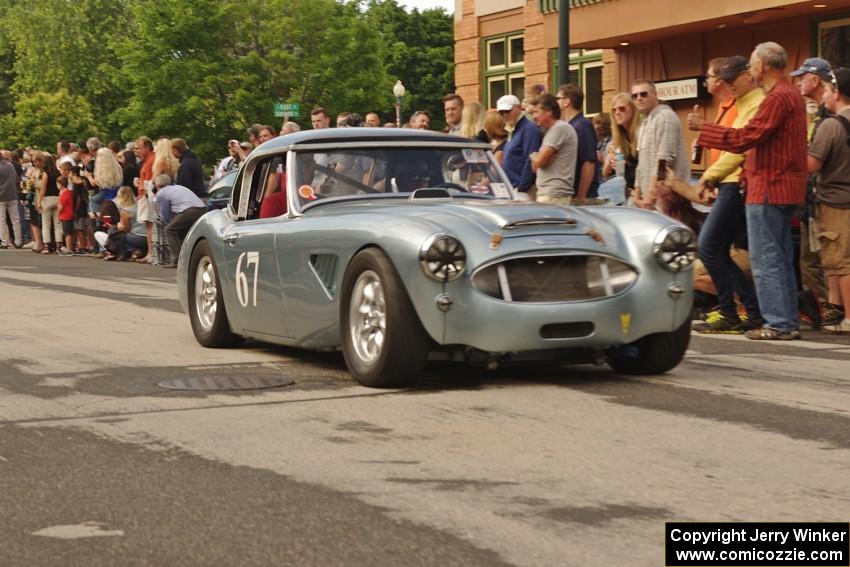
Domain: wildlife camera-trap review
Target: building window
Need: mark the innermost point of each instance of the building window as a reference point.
(586, 72)
(504, 67)
(834, 42)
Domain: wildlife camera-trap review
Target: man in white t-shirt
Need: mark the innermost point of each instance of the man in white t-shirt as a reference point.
(555, 162)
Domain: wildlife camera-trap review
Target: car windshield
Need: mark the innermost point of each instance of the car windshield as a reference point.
(349, 172)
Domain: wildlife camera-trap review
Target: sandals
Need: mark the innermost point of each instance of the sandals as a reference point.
(768, 334)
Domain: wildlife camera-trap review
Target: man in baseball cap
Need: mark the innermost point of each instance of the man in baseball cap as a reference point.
(812, 78)
(525, 140)
(507, 102)
(829, 155)
(816, 66)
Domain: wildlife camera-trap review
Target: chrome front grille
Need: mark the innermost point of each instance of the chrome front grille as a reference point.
(556, 278)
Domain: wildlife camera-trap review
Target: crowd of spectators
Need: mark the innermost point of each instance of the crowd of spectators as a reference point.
(777, 157)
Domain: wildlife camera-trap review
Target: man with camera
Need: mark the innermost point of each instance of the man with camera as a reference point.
(179, 207)
(829, 156)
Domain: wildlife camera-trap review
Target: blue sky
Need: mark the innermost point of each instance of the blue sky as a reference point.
(449, 5)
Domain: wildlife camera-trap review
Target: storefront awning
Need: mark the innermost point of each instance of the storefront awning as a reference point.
(610, 23)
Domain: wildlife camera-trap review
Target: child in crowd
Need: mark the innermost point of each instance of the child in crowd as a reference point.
(66, 215)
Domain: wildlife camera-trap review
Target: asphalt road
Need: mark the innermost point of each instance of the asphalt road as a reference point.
(542, 465)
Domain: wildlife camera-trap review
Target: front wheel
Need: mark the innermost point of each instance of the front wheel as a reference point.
(383, 341)
(656, 354)
(206, 306)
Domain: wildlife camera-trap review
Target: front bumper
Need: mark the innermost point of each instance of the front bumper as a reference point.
(491, 325)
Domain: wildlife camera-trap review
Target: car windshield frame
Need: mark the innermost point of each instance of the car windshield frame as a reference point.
(486, 167)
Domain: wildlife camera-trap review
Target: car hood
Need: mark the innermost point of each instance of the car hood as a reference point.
(511, 218)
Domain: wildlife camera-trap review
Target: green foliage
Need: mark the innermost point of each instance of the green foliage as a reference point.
(42, 119)
(204, 70)
(420, 52)
(66, 46)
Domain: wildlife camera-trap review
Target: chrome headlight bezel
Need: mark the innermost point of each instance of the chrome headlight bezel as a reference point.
(442, 258)
(675, 248)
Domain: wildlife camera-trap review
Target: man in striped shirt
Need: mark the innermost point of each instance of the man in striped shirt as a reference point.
(775, 179)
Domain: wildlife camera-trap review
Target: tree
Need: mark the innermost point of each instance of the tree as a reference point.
(420, 52)
(41, 119)
(67, 47)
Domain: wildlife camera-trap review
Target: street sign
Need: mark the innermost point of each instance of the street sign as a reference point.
(287, 109)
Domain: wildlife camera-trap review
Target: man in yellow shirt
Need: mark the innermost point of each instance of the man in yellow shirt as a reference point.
(726, 223)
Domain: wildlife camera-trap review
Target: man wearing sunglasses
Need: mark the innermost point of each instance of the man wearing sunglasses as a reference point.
(775, 177)
(659, 138)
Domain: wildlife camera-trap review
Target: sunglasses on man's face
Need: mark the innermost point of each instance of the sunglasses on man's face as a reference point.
(641, 94)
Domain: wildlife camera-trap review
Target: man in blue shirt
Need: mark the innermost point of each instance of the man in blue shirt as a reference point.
(570, 97)
(525, 141)
(180, 208)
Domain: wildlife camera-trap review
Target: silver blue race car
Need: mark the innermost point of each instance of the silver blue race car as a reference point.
(400, 246)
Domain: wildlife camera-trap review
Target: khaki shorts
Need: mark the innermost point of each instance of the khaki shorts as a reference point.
(552, 200)
(833, 232)
(144, 210)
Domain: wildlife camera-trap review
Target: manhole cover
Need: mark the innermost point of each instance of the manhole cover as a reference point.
(221, 383)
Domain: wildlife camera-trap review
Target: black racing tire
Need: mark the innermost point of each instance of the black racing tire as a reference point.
(657, 353)
(384, 346)
(211, 328)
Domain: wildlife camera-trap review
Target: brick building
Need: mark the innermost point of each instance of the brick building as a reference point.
(506, 46)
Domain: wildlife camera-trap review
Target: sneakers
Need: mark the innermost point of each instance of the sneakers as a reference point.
(768, 334)
(718, 324)
(840, 328)
(832, 314)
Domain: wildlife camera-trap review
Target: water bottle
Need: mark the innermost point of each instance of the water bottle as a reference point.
(619, 163)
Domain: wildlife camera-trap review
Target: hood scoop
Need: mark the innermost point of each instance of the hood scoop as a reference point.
(540, 221)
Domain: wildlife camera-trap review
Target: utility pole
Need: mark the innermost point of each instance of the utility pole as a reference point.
(564, 42)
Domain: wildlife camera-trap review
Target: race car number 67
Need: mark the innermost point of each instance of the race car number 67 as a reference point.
(242, 288)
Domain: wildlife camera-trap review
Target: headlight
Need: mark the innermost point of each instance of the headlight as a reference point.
(442, 258)
(675, 248)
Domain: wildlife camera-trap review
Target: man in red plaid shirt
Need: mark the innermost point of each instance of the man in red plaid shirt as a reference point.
(775, 179)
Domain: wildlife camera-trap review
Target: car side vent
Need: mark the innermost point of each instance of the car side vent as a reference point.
(324, 266)
(431, 193)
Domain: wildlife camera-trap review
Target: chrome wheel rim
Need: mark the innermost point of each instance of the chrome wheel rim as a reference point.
(367, 317)
(206, 293)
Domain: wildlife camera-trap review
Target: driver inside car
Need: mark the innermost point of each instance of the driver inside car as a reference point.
(412, 177)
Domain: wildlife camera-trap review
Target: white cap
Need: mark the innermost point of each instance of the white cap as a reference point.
(507, 102)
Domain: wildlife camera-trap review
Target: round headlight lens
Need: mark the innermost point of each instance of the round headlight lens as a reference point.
(442, 258)
(675, 248)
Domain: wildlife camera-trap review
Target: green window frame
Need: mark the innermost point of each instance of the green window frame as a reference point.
(831, 39)
(586, 72)
(503, 67)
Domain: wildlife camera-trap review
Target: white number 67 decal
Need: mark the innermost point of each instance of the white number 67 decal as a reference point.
(242, 288)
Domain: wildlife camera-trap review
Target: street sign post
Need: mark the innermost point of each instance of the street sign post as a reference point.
(287, 110)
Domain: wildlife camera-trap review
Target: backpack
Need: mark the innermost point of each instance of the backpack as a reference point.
(846, 123)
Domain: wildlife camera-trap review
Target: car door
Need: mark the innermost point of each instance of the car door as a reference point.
(256, 304)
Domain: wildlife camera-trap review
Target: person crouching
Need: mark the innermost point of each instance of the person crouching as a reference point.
(179, 207)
